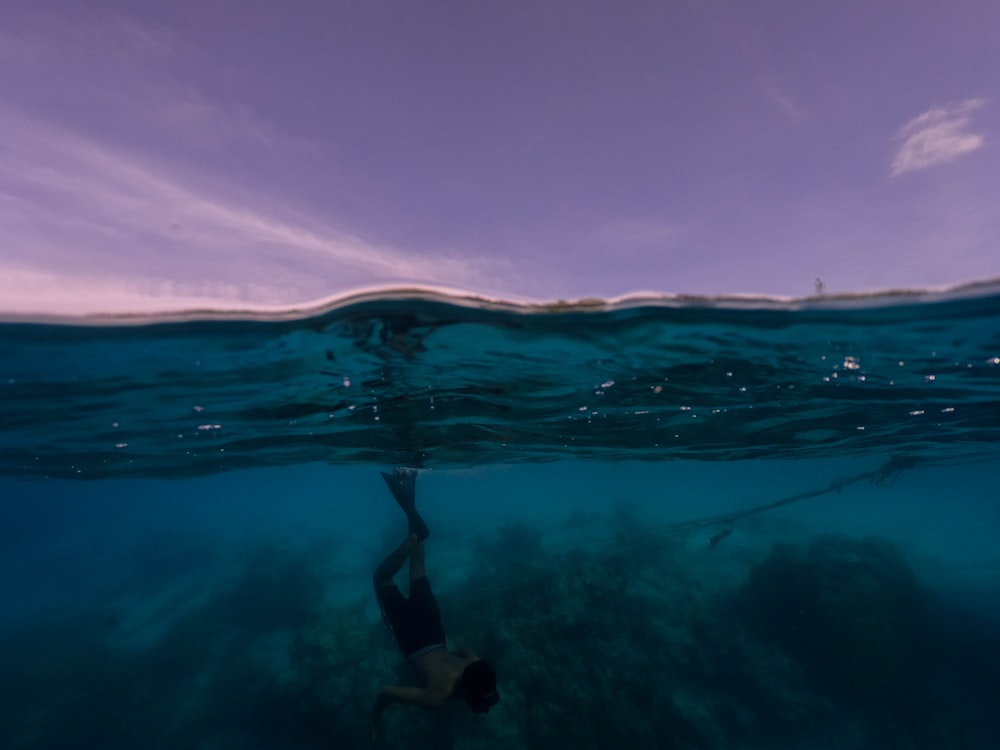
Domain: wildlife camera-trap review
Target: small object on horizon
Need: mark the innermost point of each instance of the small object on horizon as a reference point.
(820, 286)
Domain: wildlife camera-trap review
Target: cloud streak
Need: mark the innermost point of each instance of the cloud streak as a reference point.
(939, 135)
(93, 211)
(785, 103)
(100, 213)
(126, 70)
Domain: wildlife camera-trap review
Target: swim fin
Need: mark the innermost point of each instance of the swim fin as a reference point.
(403, 485)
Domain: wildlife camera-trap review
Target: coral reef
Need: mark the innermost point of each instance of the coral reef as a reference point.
(833, 644)
(850, 611)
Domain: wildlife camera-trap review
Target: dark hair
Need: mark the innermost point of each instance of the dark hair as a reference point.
(479, 686)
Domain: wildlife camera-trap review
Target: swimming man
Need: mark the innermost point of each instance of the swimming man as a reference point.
(416, 626)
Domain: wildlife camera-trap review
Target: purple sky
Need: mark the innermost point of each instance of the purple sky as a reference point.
(275, 153)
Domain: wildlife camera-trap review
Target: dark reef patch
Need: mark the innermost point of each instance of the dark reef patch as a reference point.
(834, 644)
(850, 611)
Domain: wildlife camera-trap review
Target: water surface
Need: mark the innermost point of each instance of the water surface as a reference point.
(669, 523)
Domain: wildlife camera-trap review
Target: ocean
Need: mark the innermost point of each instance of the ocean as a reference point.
(667, 522)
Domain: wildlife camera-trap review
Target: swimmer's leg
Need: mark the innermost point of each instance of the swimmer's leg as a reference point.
(417, 569)
(403, 485)
(391, 565)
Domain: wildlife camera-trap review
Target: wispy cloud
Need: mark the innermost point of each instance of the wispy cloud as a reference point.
(127, 72)
(785, 103)
(939, 135)
(73, 208)
(114, 187)
(28, 291)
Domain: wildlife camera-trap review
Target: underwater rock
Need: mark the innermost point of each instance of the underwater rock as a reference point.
(850, 612)
(630, 644)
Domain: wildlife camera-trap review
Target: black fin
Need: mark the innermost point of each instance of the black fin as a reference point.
(403, 485)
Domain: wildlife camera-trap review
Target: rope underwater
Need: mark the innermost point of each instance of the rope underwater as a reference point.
(884, 476)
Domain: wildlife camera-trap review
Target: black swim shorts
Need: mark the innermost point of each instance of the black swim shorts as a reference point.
(415, 622)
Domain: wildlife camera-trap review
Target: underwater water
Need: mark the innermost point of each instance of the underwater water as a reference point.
(668, 523)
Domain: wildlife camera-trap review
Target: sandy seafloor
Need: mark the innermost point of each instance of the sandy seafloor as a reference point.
(235, 610)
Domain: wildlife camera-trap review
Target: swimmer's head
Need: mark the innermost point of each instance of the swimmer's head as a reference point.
(479, 687)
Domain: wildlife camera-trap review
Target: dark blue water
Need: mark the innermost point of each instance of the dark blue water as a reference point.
(676, 525)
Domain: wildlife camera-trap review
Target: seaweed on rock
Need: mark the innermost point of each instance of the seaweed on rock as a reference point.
(632, 644)
(851, 612)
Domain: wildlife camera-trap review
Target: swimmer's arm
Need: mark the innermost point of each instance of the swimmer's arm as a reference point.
(403, 694)
(466, 653)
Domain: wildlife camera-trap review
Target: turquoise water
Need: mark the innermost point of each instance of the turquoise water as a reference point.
(668, 523)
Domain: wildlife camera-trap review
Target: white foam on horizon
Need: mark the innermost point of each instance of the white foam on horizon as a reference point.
(178, 309)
